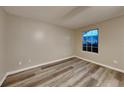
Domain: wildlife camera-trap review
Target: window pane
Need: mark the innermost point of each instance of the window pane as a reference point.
(95, 50)
(89, 49)
(84, 48)
(95, 41)
(84, 39)
(95, 45)
(89, 43)
(90, 40)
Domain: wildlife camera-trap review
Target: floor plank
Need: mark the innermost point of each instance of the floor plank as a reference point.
(72, 72)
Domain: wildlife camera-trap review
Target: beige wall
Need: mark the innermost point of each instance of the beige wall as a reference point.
(2, 44)
(28, 42)
(33, 42)
(111, 43)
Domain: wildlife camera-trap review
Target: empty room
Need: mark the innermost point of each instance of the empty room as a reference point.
(61, 46)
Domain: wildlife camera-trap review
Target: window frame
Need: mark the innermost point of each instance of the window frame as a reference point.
(91, 46)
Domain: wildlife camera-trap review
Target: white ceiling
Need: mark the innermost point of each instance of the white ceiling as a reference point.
(71, 17)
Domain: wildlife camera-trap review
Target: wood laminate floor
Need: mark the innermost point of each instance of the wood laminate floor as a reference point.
(72, 72)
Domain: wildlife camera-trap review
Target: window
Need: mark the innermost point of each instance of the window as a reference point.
(90, 40)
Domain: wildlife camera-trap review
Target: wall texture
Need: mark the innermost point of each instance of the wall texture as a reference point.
(111, 43)
(33, 42)
(2, 44)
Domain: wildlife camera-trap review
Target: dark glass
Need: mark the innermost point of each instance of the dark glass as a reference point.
(84, 49)
(95, 50)
(89, 45)
(89, 49)
(94, 45)
(84, 45)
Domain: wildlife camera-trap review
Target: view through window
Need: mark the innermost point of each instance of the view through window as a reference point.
(90, 40)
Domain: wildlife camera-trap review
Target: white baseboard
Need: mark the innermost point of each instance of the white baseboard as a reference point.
(113, 68)
(13, 72)
(20, 70)
(45, 63)
(2, 80)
